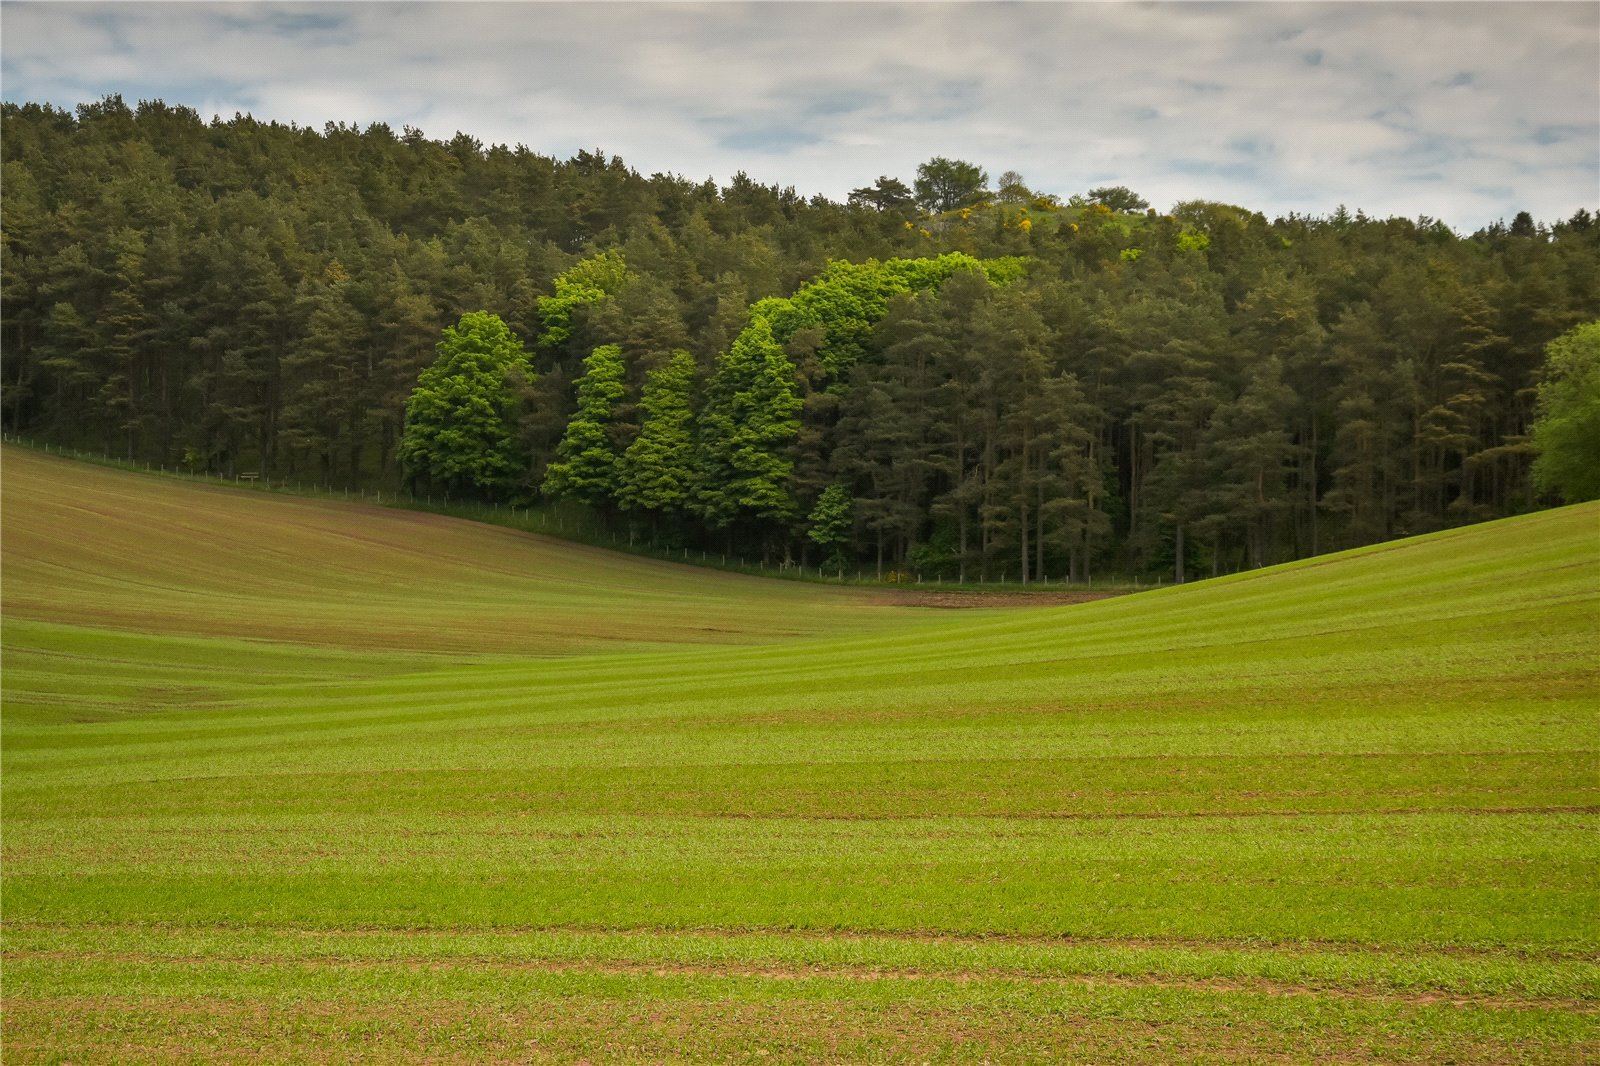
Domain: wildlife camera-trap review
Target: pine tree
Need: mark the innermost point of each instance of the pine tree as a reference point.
(1278, 322)
(245, 323)
(127, 327)
(1174, 386)
(1245, 455)
(324, 375)
(875, 430)
(406, 323)
(63, 341)
(1370, 423)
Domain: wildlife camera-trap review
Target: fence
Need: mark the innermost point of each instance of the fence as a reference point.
(570, 526)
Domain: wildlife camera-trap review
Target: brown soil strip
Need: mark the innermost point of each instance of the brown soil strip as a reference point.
(917, 936)
(1095, 816)
(134, 1029)
(837, 972)
(945, 598)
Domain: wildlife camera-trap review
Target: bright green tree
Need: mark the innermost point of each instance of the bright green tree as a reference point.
(587, 282)
(847, 300)
(1567, 431)
(459, 417)
(586, 461)
(830, 523)
(747, 433)
(655, 471)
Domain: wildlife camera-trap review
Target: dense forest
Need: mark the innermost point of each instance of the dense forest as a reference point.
(936, 378)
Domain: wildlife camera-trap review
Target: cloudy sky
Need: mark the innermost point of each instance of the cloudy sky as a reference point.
(1464, 112)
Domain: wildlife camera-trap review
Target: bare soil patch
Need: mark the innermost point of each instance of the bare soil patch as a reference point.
(911, 596)
(776, 971)
(590, 1029)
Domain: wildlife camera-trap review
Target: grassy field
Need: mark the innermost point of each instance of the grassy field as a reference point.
(299, 781)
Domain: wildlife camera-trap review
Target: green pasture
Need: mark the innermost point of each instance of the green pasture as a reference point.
(294, 780)
(90, 546)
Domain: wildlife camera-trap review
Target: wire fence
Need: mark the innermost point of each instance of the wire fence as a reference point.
(583, 528)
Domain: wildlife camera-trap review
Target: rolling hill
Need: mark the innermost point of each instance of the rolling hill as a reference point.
(283, 778)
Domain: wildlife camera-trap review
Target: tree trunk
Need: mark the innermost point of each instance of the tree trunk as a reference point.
(1311, 489)
(961, 504)
(1133, 480)
(1022, 527)
(961, 537)
(1038, 536)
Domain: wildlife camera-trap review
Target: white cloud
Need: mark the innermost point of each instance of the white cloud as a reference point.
(1398, 108)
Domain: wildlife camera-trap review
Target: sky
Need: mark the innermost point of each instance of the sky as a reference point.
(1467, 113)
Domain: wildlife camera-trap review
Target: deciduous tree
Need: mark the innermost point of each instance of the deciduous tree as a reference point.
(459, 419)
(1568, 429)
(830, 524)
(656, 471)
(586, 460)
(746, 433)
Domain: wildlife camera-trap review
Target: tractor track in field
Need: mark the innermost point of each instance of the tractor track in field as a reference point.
(956, 600)
(917, 936)
(442, 1029)
(866, 973)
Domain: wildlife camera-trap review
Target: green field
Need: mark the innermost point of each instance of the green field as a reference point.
(288, 780)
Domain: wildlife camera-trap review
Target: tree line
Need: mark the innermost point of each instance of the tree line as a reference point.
(933, 377)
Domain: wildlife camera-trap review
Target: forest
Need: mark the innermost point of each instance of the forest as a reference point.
(935, 378)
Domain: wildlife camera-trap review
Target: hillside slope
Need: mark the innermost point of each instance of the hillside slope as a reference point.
(89, 546)
(1338, 810)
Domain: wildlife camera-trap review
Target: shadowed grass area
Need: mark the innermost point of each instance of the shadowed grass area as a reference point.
(1342, 809)
(89, 546)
